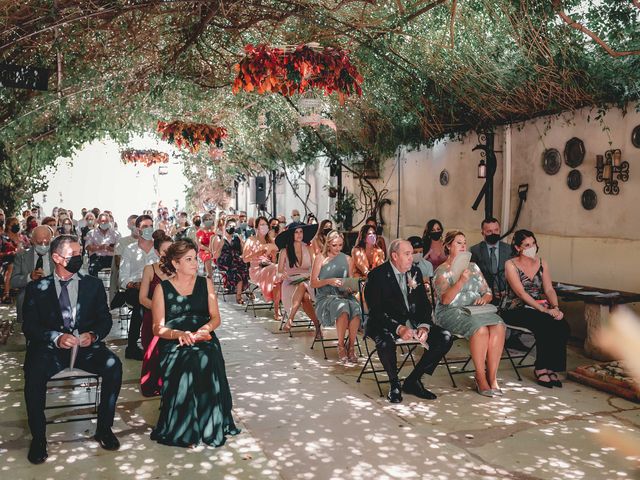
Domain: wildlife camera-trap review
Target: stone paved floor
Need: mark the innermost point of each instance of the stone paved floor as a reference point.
(304, 417)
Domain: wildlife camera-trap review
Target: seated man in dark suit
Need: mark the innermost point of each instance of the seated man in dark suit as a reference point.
(490, 255)
(55, 307)
(396, 296)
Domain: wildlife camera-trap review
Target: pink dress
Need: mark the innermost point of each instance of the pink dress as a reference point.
(435, 259)
(294, 273)
(264, 277)
(150, 375)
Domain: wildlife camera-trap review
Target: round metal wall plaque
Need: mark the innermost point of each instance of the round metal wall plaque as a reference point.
(551, 161)
(574, 179)
(635, 137)
(444, 177)
(589, 199)
(574, 152)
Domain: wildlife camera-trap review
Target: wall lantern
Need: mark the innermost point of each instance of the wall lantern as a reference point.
(610, 168)
(482, 169)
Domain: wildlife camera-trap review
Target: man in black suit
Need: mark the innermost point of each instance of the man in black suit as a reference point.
(396, 296)
(55, 307)
(490, 255)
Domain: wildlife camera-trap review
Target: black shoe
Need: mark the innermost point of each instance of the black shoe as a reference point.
(37, 451)
(555, 380)
(107, 439)
(395, 396)
(417, 389)
(514, 343)
(134, 354)
(543, 383)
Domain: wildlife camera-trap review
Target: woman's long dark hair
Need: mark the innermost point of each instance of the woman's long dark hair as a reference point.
(519, 237)
(362, 235)
(426, 239)
(291, 251)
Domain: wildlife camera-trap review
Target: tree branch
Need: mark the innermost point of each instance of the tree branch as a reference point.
(454, 5)
(581, 28)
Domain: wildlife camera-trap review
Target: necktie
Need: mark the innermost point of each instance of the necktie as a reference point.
(494, 260)
(39, 262)
(65, 304)
(403, 288)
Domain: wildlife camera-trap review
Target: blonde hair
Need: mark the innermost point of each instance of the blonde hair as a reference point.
(449, 238)
(332, 235)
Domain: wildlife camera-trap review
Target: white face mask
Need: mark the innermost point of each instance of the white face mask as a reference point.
(417, 257)
(530, 252)
(263, 229)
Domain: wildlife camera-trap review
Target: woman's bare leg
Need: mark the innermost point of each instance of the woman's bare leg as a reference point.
(496, 345)
(479, 344)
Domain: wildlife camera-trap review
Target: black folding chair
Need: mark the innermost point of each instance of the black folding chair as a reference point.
(70, 380)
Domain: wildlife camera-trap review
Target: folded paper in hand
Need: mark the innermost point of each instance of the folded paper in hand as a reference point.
(460, 264)
(297, 280)
(480, 309)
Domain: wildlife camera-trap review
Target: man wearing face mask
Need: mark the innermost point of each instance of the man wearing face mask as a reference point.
(32, 264)
(134, 258)
(241, 228)
(490, 255)
(114, 281)
(100, 244)
(53, 326)
(295, 219)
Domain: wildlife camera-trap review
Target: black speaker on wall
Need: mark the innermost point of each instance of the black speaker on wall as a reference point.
(261, 190)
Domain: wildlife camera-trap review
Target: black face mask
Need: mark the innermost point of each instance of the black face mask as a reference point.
(15, 228)
(435, 235)
(326, 231)
(197, 223)
(276, 228)
(492, 239)
(379, 230)
(231, 230)
(74, 264)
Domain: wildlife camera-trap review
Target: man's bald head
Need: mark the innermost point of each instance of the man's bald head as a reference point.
(41, 235)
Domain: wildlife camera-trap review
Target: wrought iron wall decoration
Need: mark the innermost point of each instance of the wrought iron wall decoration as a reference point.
(551, 161)
(487, 167)
(574, 179)
(635, 136)
(589, 199)
(610, 168)
(444, 177)
(574, 152)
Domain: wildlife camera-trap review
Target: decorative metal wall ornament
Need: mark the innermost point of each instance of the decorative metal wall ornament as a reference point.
(551, 161)
(574, 152)
(635, 137)
(444, 177)
(574, 179)
(610, 169)
(589, 199)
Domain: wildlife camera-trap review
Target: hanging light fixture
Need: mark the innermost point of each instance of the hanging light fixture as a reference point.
(482, 169)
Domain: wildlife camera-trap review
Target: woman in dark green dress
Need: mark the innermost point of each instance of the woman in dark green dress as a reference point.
(196, 400)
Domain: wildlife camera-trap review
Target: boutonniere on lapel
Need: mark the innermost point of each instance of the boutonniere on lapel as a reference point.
(411, 282)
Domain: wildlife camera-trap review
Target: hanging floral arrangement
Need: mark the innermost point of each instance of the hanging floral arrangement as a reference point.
(144, 157)
(191, 135)
(296, 70)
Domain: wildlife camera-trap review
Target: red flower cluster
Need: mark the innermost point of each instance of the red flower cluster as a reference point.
(267, 69)
(191, 135)
(145, 157)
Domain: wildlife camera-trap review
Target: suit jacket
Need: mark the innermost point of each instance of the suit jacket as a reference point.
(480, 256)
(42, 317)
(387, 309)
(23, 265)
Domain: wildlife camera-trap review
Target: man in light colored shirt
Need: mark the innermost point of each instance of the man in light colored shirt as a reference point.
(100, 245)
(32, 264)
(134, 258)
(123, 242)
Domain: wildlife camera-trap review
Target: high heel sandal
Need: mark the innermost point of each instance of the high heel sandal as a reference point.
(485, 393)
(555, 380)
(543, 383)
(343, 359)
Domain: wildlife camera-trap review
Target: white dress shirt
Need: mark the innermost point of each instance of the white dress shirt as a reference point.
(405, 289)
(123, 243)
(134, 259)
(99, 237)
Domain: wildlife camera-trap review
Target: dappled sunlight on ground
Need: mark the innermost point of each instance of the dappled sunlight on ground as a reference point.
(306, 417)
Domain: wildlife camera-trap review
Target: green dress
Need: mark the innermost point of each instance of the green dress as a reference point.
(453, 317)
(196, 400)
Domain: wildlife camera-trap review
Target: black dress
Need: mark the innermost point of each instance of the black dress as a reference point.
(196, 400)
